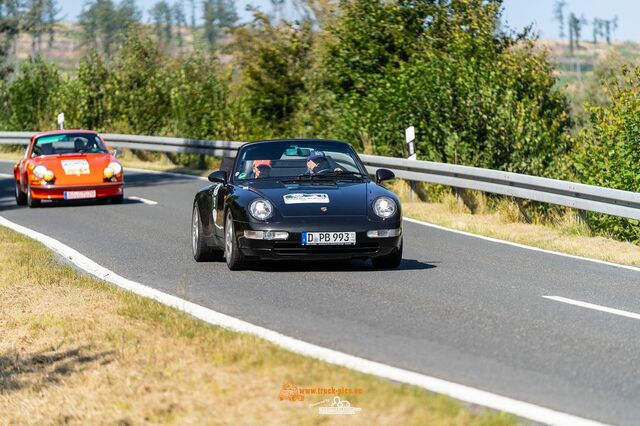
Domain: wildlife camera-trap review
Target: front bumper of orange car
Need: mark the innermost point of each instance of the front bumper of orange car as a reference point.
(70, 192)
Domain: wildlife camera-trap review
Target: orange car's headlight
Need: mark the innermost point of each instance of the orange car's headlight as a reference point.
(113, 169)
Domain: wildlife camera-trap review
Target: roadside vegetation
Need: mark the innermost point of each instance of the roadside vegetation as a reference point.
(75, 350)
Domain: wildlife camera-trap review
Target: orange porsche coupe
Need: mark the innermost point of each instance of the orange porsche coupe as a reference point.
(68, 165)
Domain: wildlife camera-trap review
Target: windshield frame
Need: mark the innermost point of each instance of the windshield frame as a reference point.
(306, 143)
(71, 135)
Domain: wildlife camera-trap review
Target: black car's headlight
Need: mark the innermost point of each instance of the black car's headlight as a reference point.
(384, 207)
(261, 209)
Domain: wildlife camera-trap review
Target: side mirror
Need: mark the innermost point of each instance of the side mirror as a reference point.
(384, 174)
(115, 153)
(219, 176)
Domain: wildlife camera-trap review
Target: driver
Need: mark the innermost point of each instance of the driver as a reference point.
(317, 162)
(261, 169)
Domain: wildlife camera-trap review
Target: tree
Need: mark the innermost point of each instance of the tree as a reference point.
(162, 18)
(32, 93)
(610, 150)
(139, 86)
(52, 11)
(104, 24)
(558, 15)
(37, 24)
(477, 94)
(575, 31)
(274, 61)
(12, 22)
(217, 15)
(180, 20)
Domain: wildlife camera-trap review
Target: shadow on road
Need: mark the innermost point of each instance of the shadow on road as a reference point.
(333, 266)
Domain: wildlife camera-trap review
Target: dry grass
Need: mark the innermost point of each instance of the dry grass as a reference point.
(78, 351)
(504, 220)
(10, 155)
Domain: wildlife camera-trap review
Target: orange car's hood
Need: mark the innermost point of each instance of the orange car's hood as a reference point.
(76, 169)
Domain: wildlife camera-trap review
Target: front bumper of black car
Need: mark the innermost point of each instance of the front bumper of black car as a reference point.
(292, 247)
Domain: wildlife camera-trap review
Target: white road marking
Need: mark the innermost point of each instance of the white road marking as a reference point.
(143, 200)
(5, 175)
(522, 246)
(594, 307)
(454, 390)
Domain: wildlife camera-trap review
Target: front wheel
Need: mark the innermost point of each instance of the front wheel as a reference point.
(390, 261)
(232, 255)
(21, 197)
(201, 251)
(31, 202)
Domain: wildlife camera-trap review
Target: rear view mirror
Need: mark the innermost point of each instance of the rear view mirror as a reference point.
(219, 176)
(116, 153)
(384, 174)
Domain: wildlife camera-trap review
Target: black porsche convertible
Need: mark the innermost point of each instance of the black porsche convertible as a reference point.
(297, 199)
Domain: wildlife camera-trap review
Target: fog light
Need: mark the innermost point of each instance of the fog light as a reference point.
(266, 235)
(276, 235)
(384, 233)
(108, 173)
(48, 176)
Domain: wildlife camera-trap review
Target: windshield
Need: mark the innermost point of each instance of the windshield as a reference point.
(297, 160)
(68, 143)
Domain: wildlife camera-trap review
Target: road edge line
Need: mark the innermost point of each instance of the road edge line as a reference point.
(522, 246)
(454, 390)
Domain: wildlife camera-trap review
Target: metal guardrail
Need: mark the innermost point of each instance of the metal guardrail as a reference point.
(576, 195)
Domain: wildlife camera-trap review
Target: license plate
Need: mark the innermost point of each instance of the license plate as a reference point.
(79, 195)
(328, 238)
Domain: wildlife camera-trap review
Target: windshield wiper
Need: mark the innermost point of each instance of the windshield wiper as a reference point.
(331, 174)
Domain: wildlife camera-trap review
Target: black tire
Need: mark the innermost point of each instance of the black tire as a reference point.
(117, 199)
(21, 197)
(390, 261)
(235, 260)
(31, 202)
(201, 251)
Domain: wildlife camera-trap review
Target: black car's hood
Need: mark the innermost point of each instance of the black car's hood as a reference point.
(305, 199)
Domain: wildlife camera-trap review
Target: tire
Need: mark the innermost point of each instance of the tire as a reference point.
(235, 260)
(31, 202)
(201, 252)
(390, 261)
(118, 199)
(21, 197)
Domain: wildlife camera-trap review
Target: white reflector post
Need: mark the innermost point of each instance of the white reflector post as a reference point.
(410, 137)
(61, 121)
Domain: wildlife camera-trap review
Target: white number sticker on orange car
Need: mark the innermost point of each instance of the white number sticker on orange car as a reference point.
(75, 167)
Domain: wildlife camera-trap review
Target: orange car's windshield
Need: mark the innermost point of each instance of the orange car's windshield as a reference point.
(68, 143)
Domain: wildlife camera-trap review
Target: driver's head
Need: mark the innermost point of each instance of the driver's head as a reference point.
(317, 161)
(78, 144)
(261, 168)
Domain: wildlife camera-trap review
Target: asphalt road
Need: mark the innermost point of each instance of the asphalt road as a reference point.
(460, 308)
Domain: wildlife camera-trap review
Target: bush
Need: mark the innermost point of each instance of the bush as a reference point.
(610, 155)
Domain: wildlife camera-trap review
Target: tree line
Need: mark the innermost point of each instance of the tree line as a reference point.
(602, 29)
(478, 93)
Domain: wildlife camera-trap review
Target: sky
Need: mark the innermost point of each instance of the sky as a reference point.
(517, 13)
